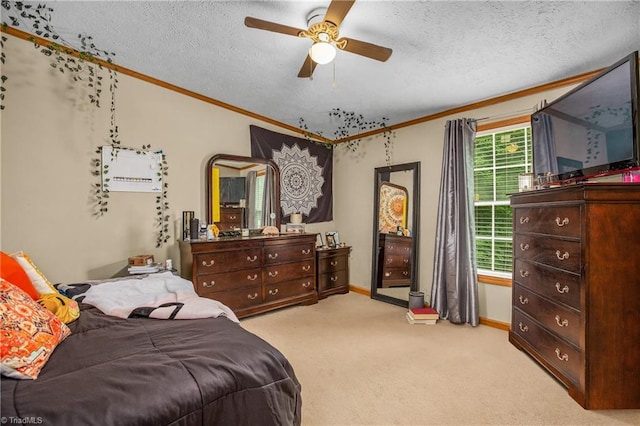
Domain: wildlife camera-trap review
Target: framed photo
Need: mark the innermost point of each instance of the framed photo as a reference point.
(333, 239)
(319, 242)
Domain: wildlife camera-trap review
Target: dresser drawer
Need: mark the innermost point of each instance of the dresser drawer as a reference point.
(397, 261)
(229, 260)
(333, 280)
(562, 321)
(560, 254)
(226, 281)
(561, 286)
(286, 253)
(291, 288)
(332, 263)
(287, 271)
(398, 247)
(239, 298)
(562, 220)
(562, 355)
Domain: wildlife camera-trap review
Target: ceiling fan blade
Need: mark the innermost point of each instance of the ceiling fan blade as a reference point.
(271, 26)
(307, 68)
(369, 50)
(337, 10)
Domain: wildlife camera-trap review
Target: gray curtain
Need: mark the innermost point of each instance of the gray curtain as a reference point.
(269, 198)
(454, 293)
(544, 159)
(250, 210)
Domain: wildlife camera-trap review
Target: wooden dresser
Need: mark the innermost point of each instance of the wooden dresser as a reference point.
(230, 218)
(576, 289)
(253, 275)
(332, 271)
(394, 253)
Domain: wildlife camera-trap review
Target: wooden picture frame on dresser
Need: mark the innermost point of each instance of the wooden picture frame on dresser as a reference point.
(332, 271)
(252, 275)
(576, 288)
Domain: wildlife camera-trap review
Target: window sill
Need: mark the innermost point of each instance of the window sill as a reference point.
(487, 279)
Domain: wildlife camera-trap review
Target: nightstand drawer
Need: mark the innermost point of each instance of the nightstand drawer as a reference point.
(332, 280)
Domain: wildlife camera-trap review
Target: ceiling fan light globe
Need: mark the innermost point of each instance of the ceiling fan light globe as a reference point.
(322, 52)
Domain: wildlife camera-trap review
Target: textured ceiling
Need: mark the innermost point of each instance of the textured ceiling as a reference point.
(445, 53)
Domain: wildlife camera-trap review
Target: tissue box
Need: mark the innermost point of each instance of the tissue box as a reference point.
(141, 260)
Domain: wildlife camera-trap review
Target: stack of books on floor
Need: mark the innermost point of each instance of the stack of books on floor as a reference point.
(427, 315)
(146, 269)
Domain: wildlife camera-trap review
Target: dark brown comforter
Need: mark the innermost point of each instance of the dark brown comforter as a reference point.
(112, 371)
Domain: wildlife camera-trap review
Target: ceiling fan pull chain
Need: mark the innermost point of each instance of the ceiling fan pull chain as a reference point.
(334, 75)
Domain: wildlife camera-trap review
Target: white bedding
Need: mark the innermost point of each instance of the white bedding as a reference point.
(162, 296)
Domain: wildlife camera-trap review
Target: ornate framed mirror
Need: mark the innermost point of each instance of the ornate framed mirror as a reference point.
(396, 215)
(242, 192)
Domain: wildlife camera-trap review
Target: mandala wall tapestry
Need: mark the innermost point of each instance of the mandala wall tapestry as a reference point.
(306, 173)
(393, 207)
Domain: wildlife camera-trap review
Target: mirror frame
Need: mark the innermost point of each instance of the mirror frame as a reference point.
(239, 158)
(414, 197)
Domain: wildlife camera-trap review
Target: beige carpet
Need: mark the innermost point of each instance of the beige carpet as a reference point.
(361, 363)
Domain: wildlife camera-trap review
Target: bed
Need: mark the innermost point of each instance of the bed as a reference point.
(143, 371)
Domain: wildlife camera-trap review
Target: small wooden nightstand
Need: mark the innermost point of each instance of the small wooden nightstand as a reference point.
(333, 271)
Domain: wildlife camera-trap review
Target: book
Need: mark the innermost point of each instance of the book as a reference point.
(411, 320)
(150, 269)
(424, 313)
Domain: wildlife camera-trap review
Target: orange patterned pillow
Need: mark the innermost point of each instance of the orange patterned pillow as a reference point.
(28, 333)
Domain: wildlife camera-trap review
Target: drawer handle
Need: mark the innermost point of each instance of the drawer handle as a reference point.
(208, 265)
(387, 274)
(334, 278)
(273, 256)
(523, 300)
(306, 268)
(524, 247)
(334, 263)
(561, 356)
(405, 273)
(405, 260)
(307, 284)
(255, 295)
(252, 278)
(233, 217)
(252, 259)
(307, 251)
(562, 222)
(389, 260)
(273, 292)
(208, 285)
(563, 323)
(273, 274)
(524, 219)
(523, 328)
(564, 289)
(562, 256)
(390, 247)
(407, 249)
(524, 273)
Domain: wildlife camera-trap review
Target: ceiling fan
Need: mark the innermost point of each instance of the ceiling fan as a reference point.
(325, 36)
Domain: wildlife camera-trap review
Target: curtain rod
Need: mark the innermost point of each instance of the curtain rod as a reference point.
(508, 115)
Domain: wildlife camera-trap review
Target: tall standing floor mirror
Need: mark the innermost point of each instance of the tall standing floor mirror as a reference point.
(396, 220)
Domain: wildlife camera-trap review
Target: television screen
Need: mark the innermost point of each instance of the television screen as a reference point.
(593, 129)
(232, 190)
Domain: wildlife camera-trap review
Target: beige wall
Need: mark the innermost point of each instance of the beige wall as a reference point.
(49, 135)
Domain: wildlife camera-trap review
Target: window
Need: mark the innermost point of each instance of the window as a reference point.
(498, 160)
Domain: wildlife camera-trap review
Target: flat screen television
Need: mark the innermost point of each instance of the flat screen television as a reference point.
(592, 130)
(232, 190)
